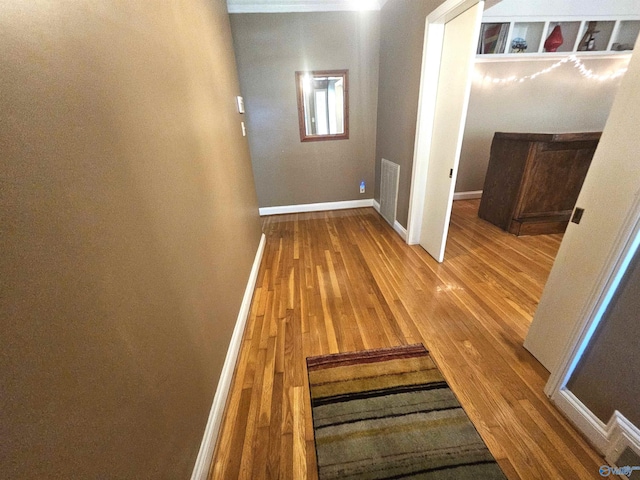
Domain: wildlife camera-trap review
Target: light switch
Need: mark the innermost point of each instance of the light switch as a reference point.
(244, 129)
(240, 102)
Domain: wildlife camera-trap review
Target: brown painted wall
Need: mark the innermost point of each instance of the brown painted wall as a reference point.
(606, 379)
(270, 48)
(129, 224)
(401, 40)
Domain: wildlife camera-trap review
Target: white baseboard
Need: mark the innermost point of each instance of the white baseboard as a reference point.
(467, 195)
(207, 447)
(400, 229)
(583, 418)
(396, 225)
(316, 207)
(610, 439)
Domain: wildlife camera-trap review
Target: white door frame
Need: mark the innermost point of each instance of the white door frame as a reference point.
(609, 438)
(431, 59)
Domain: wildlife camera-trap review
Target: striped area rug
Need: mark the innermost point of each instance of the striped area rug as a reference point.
(389, 414)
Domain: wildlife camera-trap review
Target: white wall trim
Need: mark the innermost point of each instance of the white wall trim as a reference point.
(317, 207)
(583, 418)
(611, 438)
(396, 225)
(430, 72)
(551, 57)
(207, 447)
(470, 195)
(431, 56)
(400, 229)
(618, 259)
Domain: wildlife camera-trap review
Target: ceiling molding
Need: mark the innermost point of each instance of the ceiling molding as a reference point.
(288, 6)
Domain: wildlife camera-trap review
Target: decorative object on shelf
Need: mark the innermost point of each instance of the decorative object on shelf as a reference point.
(621, 47)
(588, 42)
(554, 40)
(493, 37)
(518, 45)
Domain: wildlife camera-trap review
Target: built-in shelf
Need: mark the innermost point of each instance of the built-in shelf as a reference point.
(529, 36)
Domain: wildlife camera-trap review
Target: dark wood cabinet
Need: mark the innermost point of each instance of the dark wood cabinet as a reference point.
(534, 179)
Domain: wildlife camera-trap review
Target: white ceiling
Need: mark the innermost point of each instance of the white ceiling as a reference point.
(492, 7)
(273, 6)
(555, 8)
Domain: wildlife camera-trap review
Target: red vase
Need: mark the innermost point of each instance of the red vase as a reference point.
(554, 40)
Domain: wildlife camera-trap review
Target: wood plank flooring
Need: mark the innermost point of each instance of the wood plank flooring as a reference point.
(343, 281)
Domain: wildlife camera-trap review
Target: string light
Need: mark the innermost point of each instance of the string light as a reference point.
(584, 71)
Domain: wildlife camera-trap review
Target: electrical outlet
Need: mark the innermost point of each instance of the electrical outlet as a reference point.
(362, 187)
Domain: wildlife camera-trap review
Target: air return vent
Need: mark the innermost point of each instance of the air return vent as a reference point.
(390, 176)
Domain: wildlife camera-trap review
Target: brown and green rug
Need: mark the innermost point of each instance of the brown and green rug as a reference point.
(387, 414)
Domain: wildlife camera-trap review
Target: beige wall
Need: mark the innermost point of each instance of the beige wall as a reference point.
(560, 101)
(401, 40)
(129, 226)
(270, 48)
(607, 196)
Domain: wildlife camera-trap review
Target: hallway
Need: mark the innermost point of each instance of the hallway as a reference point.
(343, 281)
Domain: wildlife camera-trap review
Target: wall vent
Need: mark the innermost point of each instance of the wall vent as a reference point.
(628, 458)
(390, 177)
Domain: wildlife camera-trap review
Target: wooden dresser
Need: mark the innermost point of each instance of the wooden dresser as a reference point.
(534, 179)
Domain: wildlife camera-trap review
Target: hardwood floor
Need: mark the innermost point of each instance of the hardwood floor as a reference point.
(344, 280)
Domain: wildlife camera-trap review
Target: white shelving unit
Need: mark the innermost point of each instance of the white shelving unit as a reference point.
(588, 36)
